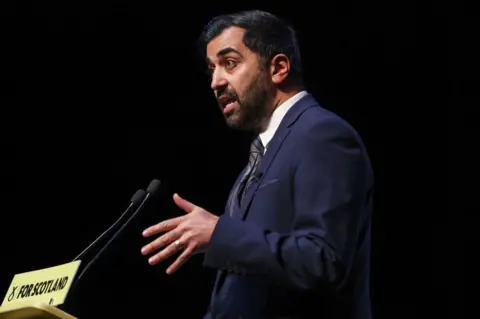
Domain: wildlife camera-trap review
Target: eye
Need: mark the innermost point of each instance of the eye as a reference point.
(230, 64)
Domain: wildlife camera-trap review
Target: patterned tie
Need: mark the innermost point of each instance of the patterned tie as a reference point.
(256, 154)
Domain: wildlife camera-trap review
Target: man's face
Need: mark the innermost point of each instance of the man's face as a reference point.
(240, 83)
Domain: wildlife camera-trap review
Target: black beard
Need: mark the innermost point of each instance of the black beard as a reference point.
(253, 107)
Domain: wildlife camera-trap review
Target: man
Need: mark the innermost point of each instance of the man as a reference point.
(294, 240)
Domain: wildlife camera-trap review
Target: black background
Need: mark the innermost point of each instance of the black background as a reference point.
(101, 97)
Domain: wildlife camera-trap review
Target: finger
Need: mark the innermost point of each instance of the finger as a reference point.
(182, 259)
(162, 241)
(183, 204)
(164, 226)
(171, 249)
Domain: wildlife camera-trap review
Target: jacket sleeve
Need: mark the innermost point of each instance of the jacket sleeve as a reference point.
(330, 185)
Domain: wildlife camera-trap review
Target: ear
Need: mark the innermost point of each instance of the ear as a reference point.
(279, 68)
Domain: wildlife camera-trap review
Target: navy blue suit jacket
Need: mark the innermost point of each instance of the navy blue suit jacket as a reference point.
(299, 245)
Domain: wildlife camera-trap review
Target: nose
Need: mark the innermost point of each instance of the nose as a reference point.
(218, 80)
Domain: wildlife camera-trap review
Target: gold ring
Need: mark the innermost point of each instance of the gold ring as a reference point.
(177, 242)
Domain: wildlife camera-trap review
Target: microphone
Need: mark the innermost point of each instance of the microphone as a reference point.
(151, 190)
(134, 202)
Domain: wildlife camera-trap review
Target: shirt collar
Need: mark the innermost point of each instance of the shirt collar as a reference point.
(277, 117)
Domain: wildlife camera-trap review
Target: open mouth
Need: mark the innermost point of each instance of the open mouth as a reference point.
(227, 103)
(227, 108)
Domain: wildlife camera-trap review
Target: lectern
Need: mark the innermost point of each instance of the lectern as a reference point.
(35, 294)
(33, 310)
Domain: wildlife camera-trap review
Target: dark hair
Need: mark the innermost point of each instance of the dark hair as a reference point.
(265, 34)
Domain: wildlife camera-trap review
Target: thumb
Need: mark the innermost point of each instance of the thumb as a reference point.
(183, 204)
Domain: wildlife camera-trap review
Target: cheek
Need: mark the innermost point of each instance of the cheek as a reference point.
(241, 85)
(242, 80)
(235, 86)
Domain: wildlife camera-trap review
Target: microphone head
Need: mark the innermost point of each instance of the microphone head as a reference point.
(138, 196)
(153, 186)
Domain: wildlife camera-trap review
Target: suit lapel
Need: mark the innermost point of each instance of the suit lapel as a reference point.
(273, 148)
(232, 203)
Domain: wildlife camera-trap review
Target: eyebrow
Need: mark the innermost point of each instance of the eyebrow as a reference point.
(226, 51)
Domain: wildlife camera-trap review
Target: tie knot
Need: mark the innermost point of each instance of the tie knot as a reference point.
(257, 146)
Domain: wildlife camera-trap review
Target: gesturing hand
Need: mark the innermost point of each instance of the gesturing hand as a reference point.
(190, 232)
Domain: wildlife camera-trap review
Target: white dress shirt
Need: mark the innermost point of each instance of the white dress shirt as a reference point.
(277, 117)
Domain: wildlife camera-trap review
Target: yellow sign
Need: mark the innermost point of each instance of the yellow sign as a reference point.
(49, 285)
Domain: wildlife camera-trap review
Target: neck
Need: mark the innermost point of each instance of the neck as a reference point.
(279, 97)
(284, 94)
